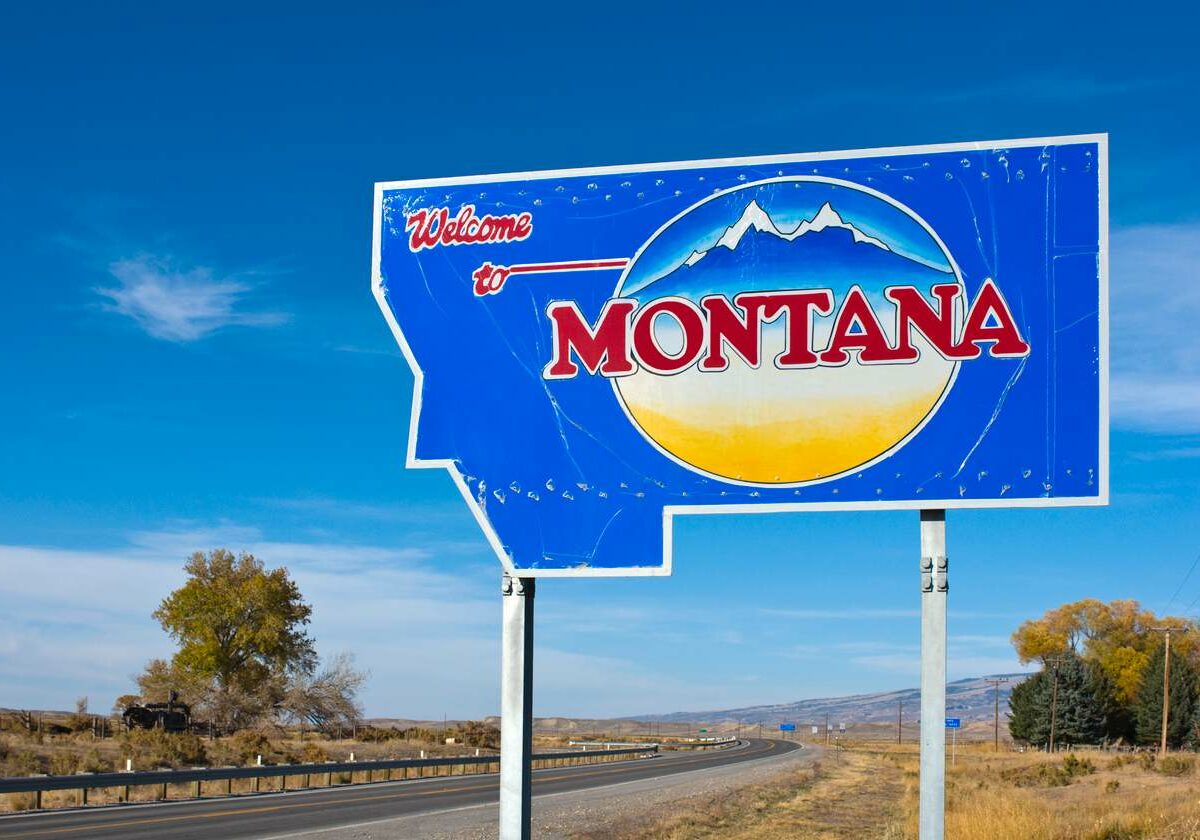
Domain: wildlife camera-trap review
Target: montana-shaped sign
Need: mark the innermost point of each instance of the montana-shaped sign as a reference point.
(596, 351)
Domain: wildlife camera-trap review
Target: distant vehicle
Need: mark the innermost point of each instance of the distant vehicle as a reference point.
(171, 716)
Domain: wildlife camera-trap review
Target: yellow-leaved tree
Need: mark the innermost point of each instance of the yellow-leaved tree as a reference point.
(1117, 637)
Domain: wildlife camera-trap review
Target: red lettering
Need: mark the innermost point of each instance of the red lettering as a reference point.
(489, 278)
(727, 326)
(1002, 332)
(421, 223)
(690, 321)
(622, 339)
(433, 227)
(602, 348)
(914, 312)
(799, 307)
(869, 338)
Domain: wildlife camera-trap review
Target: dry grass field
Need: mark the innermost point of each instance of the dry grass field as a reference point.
(870, 792)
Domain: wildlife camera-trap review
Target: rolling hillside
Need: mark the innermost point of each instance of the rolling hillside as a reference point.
(969, 699)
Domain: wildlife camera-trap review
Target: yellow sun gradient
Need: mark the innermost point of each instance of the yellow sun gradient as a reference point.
(769, 426)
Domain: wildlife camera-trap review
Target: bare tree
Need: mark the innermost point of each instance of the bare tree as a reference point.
(326, 699)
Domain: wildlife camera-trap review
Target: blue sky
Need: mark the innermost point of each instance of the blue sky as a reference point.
(191, 356)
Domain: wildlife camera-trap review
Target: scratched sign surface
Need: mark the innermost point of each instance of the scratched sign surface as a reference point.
(597, 351)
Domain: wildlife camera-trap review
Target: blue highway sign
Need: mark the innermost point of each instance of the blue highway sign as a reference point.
(598, 351)
(953, 723)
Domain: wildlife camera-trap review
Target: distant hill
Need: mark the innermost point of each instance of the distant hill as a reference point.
(969, 699)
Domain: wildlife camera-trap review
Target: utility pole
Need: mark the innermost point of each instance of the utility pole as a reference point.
(1053, 699)
(1166, 703)
(900, 723)
(827, 729)
(1054, 663)
(995, 683)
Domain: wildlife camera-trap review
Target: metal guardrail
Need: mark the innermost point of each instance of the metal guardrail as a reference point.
(84, 782)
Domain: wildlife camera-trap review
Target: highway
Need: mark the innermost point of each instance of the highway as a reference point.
(267, 815)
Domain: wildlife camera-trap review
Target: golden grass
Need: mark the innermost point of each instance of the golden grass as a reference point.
(851, 798)
(1032, 796)
(872, 794)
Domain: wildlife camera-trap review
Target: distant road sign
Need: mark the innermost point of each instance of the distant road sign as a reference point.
(597, 351)
(787, 727)
(953, 723)
(703, 730)
(816, 729)
(841, 727)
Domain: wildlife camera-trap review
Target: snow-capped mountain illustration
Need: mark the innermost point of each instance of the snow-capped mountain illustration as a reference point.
(755, 218)
(755, 253)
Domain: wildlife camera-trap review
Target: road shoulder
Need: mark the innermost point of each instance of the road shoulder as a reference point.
(557, 816)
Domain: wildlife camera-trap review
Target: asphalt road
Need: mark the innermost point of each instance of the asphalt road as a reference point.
(266, 815)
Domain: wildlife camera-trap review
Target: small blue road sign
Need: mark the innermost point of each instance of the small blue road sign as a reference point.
(787, 727)
(953, 723)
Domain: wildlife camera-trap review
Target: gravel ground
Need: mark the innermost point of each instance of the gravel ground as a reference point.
(555, 815)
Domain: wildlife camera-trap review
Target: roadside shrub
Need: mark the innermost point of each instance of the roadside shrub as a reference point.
(1176, 765)
(22, 801)
(248, 744)
(1120, 831)
(376, 734)
(1050, 775)
(1112, 786)
(1122, 759)
(63, 764)
(313, 754)
(476, 734)
(151, 748)
(23, 763)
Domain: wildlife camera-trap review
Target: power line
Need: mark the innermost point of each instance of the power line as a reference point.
(1190, 607)
(1182, 583)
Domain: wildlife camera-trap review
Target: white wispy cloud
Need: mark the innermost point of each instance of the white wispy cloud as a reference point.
(1169, 454)
(78, 622)
(1155, 297)
(180, 305)
(847, 614)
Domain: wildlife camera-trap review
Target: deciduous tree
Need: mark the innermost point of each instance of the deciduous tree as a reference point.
(241, 630)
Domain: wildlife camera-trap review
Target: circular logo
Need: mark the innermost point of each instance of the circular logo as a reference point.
(772, 425)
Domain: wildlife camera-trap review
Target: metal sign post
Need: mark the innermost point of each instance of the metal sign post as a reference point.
(934, 588)
(516, 712)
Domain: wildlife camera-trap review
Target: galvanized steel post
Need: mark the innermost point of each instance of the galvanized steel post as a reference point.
(934, 588)
(516, 708)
